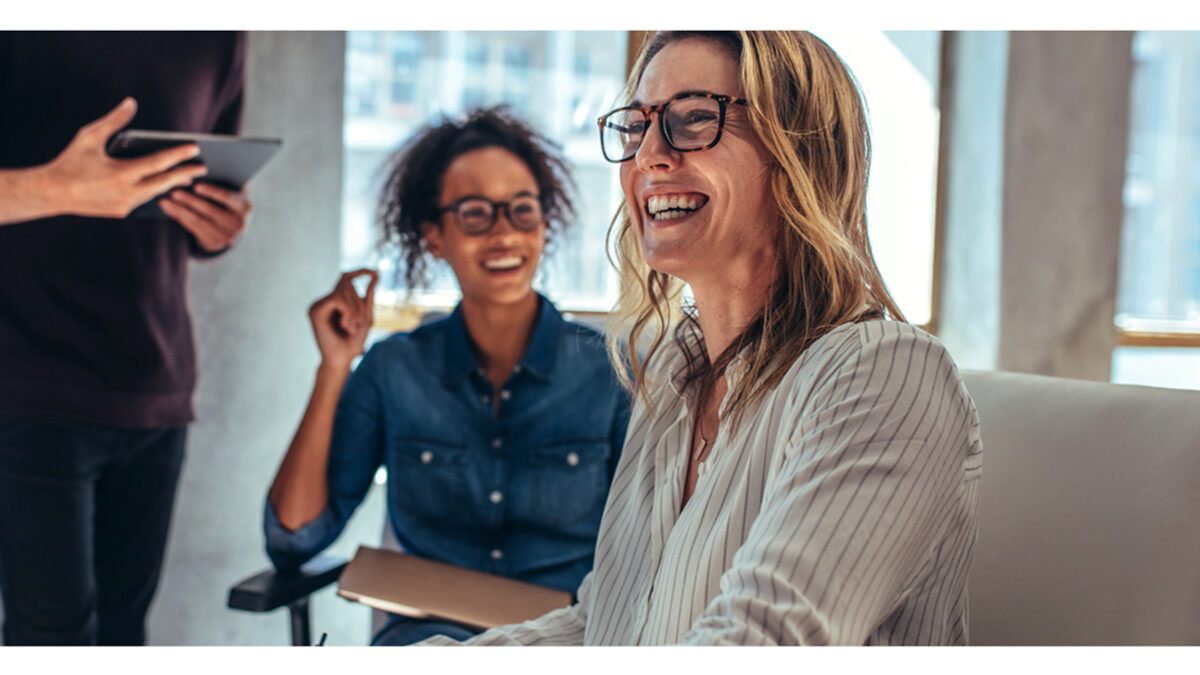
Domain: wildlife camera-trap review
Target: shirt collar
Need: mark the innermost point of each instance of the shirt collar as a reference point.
(539, 357)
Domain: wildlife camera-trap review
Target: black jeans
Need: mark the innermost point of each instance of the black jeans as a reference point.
(84, 515)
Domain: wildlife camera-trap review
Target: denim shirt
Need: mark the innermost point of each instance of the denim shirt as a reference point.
(518, 493)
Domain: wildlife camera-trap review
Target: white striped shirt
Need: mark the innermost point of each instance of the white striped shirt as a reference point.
(842, 510)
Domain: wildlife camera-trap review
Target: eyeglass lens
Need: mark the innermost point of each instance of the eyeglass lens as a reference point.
(476, 216)
(691, 124)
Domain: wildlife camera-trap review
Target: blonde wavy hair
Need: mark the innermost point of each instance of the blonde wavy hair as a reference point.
(806, 109)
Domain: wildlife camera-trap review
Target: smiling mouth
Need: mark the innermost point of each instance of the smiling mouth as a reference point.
(669, 207)
(503, 264)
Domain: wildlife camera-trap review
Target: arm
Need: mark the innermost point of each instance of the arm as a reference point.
(84, 180)
(868, 491)
(340, 322)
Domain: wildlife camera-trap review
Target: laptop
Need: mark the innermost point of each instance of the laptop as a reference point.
(412, 586)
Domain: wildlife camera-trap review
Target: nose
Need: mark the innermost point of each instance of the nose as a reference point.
(654, 150)
(503, 224)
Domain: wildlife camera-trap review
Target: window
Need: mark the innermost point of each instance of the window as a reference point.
(559, 81)
(898, 73)
(1158, 299)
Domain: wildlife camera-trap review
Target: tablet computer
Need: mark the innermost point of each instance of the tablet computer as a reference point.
(406, 584)
(231, 160)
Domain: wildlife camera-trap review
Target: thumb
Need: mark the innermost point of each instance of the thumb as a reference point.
(113, 120)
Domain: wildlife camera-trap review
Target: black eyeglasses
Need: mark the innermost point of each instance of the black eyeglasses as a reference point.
(689, 122)
(477, 215)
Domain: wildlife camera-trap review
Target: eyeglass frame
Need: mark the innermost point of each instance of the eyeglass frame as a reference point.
(496, 207)
(723, 99)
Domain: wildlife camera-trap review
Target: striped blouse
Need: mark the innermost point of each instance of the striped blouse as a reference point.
(842, 510)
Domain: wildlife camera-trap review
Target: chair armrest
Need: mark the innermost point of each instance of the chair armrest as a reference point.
(271, 589)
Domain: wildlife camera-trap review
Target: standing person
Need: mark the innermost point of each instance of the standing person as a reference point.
(500, 425)
(800, 468)
(97, 363)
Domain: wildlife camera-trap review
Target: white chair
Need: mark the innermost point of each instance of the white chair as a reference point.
(1089, 527)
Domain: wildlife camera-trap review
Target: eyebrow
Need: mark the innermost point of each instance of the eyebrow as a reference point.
(522, 193)
(635, 103)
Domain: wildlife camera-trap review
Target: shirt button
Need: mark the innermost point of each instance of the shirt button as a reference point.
(496, 442)
(572, 459)
(497, 554)
(505, 394)
(517, 368)
(426, 457)
(496, 496)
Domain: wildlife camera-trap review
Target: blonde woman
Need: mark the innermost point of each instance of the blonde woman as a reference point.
(802, 466)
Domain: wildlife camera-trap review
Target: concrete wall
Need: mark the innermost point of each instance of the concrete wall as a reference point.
(1037, 294)
(258, 357)
(1067, 125)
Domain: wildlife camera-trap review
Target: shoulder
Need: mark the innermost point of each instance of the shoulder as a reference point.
(874, 344)
(872, 361)
(878, 363)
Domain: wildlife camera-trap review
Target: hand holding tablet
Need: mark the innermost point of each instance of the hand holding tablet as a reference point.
(230, 160)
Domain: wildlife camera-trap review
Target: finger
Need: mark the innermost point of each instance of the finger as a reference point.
(165, 182)
(234, 201)
(162, 160)
(358, 308)
(324, 308)
(371, 291)
(223, 219)
(112, 121)
(349, 298)
(346, 280)
(208, 235)
(362, 271)
(346, 315)
(368, 305)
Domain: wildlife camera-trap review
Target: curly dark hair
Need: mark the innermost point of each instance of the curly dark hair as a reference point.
(410, 195)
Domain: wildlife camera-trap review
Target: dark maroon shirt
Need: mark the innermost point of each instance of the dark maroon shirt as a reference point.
(94, 322)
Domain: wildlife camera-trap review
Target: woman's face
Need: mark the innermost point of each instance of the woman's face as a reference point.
(734, 217)
(496, 267)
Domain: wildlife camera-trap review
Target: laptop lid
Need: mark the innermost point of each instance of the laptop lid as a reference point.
(412, 586)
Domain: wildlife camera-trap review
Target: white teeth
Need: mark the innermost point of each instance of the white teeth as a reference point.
(508, 262)
(670, 215)
(656, 205)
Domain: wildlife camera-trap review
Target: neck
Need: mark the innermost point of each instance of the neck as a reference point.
(727, 302)
(500, 333)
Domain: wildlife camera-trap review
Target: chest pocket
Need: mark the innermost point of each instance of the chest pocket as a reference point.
(429, 481)
(570, 483)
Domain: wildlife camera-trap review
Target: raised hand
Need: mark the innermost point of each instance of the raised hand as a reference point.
(88, 182)
(342, 319)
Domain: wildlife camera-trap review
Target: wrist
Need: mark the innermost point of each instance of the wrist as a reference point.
(334, 368)
(27, 194)
(47, 193)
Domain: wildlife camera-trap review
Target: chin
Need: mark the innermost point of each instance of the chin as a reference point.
(506, 296)
(667, 258)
